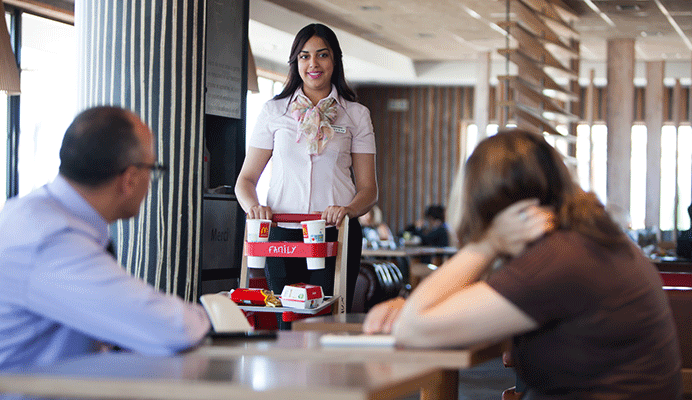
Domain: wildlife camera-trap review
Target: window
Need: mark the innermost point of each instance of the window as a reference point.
(48, 99)
(668, 173)
(255, 101)
(472, 138)
(638, 177)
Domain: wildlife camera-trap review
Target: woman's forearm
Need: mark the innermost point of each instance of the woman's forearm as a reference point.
(463, 269)
(363, 201)
(246, 193)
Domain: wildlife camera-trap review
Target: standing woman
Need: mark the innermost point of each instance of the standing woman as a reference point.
(318, 138)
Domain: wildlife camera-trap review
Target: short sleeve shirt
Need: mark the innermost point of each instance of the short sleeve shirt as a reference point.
(605, 328)
(304, 183)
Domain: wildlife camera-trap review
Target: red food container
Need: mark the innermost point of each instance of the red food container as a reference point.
(250, 296)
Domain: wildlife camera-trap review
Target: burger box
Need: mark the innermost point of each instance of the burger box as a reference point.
(302, 295)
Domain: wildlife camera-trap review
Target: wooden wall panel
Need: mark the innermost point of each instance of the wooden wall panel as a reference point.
(417, 148)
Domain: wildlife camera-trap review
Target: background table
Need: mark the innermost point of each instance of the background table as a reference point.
(673, 264)
(412, 254)
(199, 376)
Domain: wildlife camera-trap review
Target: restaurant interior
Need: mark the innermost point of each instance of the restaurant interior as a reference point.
(607, 82)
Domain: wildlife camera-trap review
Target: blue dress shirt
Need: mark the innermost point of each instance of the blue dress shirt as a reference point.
(61, 293)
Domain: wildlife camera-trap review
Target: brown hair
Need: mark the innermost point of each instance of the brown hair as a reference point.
(514, 165)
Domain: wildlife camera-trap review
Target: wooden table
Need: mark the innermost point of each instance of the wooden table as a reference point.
(409, 251)
(332, 323)
(203, 376)
(305, 345)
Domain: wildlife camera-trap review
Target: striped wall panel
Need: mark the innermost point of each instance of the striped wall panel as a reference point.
(147, 56)
(418, 148)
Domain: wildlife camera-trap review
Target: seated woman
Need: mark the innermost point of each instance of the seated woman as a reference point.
(375, 231)
(586, 309)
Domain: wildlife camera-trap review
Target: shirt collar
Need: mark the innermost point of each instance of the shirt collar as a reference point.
(73, 201)
(334, 94)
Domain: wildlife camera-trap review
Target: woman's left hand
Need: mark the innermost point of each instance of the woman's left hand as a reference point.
(333, 215)
(516, 226)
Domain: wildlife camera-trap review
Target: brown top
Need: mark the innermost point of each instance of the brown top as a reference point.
(606, 330)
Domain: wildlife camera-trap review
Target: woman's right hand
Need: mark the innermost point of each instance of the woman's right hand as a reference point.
(260, 212)
(518, 225)
(381, 318)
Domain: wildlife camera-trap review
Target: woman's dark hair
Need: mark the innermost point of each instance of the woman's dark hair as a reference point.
(294, 81)
(98, 145)
(514, 165)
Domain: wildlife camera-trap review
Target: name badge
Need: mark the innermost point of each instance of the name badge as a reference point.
(339, 129)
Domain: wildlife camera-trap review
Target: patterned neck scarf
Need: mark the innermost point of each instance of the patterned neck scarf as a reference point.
(314, 122)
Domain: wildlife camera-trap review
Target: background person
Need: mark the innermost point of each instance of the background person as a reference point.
(587, 311)
(432, 229)
(62, 293)
(317, 135)
(375, 231)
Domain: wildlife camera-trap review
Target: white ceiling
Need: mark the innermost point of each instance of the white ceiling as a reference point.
(440, 41)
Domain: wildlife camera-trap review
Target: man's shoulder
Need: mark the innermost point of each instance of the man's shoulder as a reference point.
(34, 214)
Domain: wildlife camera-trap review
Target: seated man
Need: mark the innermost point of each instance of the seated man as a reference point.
(432, 229)
(61, 293)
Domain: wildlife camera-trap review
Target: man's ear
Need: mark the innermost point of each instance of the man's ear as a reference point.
(127, 181)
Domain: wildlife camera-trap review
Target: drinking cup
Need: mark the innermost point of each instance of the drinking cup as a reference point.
(257, 231)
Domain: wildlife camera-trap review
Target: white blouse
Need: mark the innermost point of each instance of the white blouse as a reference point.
(303, 183)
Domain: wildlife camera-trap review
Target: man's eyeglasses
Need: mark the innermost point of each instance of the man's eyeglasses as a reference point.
(157, 169)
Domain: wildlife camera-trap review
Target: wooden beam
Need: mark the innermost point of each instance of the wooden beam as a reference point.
(533, 46)
(536, 119)
(561, 29)
(534, 23)
(557, 94)
(558, 117)
(552, 18)
(536, 95)
(557, 48)
(58, 10)
(552, 68)
(543, 7)
(536, 71)
(566, 12)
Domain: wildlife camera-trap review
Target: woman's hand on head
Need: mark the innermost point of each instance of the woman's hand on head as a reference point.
(381, 318)
(518, 225)
(260, 212)
(333, 215)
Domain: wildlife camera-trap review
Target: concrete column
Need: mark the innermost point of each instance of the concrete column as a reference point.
(148, 56)
(653, 105)
(481, 94)
(619, 119)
